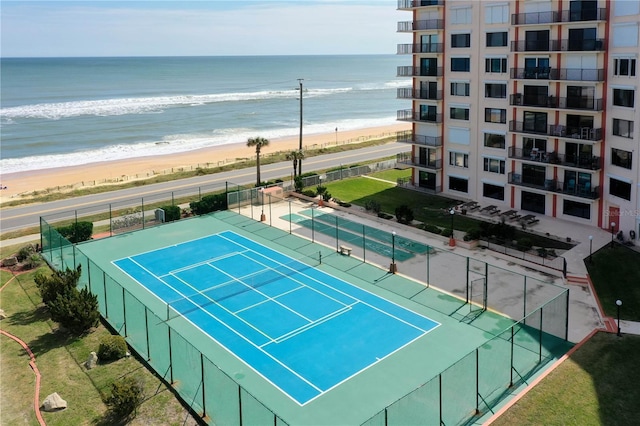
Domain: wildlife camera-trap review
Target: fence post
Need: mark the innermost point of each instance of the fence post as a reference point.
(337, 241)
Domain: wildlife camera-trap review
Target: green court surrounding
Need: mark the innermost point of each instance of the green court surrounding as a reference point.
(455, 374)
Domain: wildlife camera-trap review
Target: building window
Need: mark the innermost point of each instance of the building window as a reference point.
(459, 113)
(493, 140)
(494, 165)
(497, 39)
(460, 15)
(621, 158)
(498, 14)
(459, 159)
(460, 40)
(495, 65)
(495, 115)
(574, 208)
(495, 90)
(461, 64)
(535, 122)
(458, 184)
(619, 188)
(624, 67)
(493, 191)
(623, 97)
(459, 89)
(623, 128)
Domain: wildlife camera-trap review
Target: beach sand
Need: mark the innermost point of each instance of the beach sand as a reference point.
(99, 173)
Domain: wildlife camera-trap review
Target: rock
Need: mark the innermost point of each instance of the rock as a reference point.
(91, 361)
(2, 314)
(54, 403)
(10, 261)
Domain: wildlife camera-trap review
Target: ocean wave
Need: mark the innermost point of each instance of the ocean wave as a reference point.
(178, 143)
(156, 104)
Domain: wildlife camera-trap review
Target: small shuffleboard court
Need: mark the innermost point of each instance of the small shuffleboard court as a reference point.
(300, 328)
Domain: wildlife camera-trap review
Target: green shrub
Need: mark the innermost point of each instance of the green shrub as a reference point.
(473, 235)
(78, 312)
(25, 252)
(171, 213)
(431, 228)
(525, 244)
(77, 232)
(32, 261)
(384, 215)
(320, 190)
(309, 193)
(326, 196)
(126, 395)
(373, 206)
(59, 283)
(298, 184)
(112, 347)
(404, 214)
(446, 232)
(209, 203)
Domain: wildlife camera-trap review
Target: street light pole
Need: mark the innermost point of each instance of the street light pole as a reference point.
(590, 248)
(618, 304)
(393, 268)
(452, 240)
(613, 230)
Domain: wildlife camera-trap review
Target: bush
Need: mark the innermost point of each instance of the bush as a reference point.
(25, 252)
(384, 215)
(112, 348)
(209, 203)
(473, 235)
(373, 206)
(432, 228)
(32, 261)
(326, 196)
(77, 232)
(298, 184)
(320, 190)
(59, 283)
(404, 214)
(171, 213)
(446, 232)
(309, 193)
(126, 394)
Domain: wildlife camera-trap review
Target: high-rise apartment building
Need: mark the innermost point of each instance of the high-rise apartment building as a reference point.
(527, 104)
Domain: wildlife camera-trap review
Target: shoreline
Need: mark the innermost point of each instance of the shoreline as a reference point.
(111, 172)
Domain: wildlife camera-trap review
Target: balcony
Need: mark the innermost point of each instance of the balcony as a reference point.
(580, 103)
(417, 161)
(547, 73)
(410, 71)
(564, 45)
(557, 130)
(410, 115)
(552, 185)
(412, 4)
(407, 49)
(409, 93)
(536, 18)
(587, 162)
(408, 136)
(421, 25)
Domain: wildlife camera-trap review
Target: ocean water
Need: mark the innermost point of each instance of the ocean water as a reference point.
(68, 111)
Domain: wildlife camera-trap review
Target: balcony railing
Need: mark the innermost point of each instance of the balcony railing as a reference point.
(404, 49)
(535, 18)
(407, 158)
(579, 102)
(409, 93)
(411, 115)
(410, 71)
(558, 130)
(564, 45)
(411, 4)
(407, 136)
(547, 73)
(588, 162)
(421, 25)
(584, 190)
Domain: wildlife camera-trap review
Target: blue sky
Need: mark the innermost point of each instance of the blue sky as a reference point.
(206, 27)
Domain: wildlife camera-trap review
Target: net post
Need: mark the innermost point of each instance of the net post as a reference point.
(337, 240)
(320, 256)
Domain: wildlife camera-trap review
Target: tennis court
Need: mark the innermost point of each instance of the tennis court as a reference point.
(294, 324)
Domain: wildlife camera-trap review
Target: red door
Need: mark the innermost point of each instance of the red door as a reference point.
(614, 217)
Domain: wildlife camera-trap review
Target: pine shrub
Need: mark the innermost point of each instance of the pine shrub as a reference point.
(112, 347)
(126, 395)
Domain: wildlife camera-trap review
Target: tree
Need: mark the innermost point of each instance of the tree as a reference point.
(258, 142)
(295, 156)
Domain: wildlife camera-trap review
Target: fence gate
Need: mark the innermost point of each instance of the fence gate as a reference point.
(477, 272)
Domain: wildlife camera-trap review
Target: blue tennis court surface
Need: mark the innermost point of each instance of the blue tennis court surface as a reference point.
(300, 328)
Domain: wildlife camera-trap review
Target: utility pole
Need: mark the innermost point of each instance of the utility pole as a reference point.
(300, 147)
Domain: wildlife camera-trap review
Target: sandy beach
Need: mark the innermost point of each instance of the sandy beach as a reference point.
(99, 173)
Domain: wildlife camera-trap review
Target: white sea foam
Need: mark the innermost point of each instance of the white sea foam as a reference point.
(182, 143)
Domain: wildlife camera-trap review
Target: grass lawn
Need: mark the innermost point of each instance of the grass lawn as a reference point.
(597, 385)
(60, 358)
(615, 273)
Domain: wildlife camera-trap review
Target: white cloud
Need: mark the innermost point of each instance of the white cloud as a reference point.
(200, 28)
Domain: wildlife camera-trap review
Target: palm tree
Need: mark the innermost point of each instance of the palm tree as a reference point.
(258, 142)
(295, 156)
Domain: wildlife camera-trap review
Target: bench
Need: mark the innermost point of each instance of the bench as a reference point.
(345, 250)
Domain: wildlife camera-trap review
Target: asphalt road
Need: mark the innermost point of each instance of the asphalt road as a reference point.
(20, 217)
